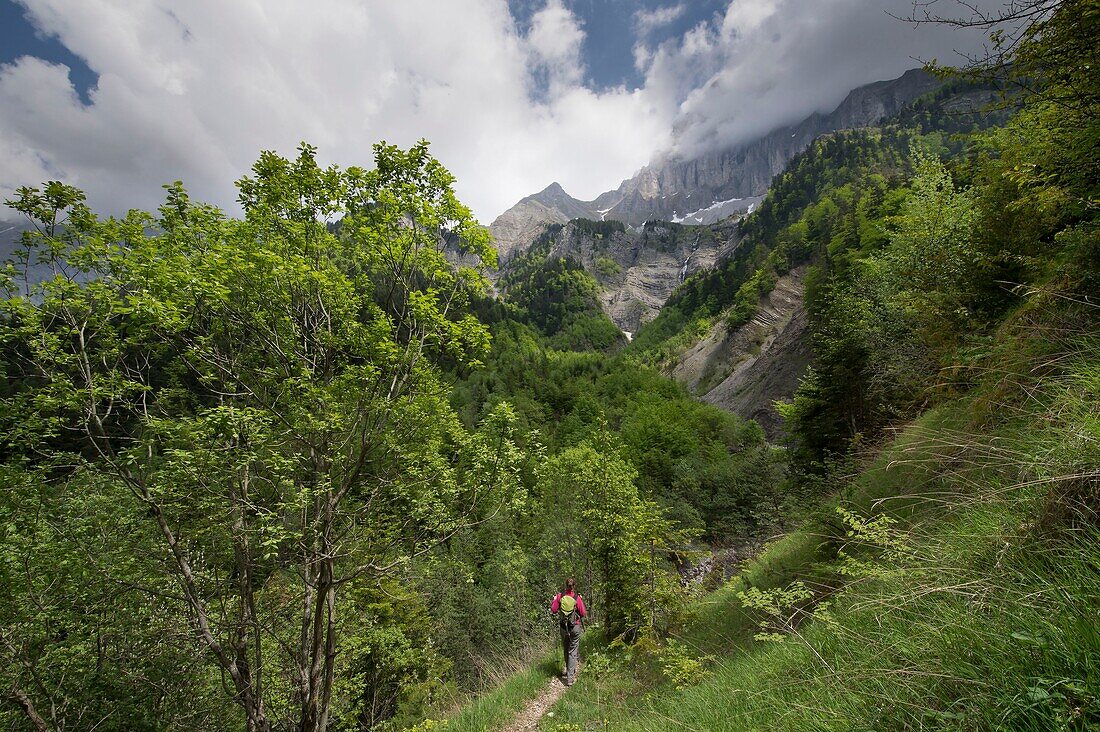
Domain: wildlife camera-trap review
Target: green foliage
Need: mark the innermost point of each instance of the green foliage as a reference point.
(806, 205)
(888, 320)
(496, 708)
(394, 671)
(931, 257)
(680, 667)
(903, 323)
(84, 623)
(708, 469)
(883, 319)
(596, 521)
(559, 298)
(782, 608)
(878, 533)
(748, 294)
(607, 267)
(600, 229)
(429, 725)
(262, 392)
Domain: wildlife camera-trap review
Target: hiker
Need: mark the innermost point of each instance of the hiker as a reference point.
(569, 607)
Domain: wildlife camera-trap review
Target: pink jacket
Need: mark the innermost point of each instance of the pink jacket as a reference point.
(580, 604)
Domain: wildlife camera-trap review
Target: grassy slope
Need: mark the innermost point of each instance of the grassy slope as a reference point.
(493, 711)
(991, 620)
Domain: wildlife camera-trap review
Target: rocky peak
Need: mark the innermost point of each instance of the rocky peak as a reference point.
(550, 193)
(713, 185)
(516, 228)
(555, 198)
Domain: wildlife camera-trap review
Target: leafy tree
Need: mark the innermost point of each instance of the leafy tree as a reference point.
(264, 390)
(597, 521)
(91, 639)
(931, 256)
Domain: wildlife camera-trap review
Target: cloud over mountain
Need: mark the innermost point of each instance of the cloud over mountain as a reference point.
(194, 90)
(766, 63)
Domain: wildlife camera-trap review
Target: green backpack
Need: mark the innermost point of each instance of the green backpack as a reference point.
(567, 611)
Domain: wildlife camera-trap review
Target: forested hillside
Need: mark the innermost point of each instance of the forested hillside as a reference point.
(298, 469)
(842, 189)
(947, 578)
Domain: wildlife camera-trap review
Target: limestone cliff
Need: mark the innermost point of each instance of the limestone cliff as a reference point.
(673, 188)
(638, 267)
(709, 187)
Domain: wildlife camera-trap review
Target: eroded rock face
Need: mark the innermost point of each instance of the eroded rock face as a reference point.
(638, 267)
(747, 369)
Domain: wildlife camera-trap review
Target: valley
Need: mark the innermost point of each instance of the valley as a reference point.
(806, 314)
(806, 417)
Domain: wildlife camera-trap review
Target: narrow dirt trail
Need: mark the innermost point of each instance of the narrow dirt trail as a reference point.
(528, 719)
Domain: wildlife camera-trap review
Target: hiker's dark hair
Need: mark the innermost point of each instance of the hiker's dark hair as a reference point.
(570, 584)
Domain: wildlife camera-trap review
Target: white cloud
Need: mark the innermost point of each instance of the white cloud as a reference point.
(767, 63)
(647, 21)
(745, 16)
(194, 90)
(555, 41)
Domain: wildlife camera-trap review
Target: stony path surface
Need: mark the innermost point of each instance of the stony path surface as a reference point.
(528, 719)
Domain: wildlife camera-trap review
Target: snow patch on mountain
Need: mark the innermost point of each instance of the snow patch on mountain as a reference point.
(696, 217)
(718, 211)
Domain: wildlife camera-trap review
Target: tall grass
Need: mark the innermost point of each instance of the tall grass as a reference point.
(494, 710)
(986, 618)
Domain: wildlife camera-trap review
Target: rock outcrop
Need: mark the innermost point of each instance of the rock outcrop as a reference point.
(746, 370)
(638, 267)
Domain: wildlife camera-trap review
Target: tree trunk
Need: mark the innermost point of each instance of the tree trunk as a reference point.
(20, 697)
(322, 631)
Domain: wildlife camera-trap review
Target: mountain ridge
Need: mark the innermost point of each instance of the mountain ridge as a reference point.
(671, 189)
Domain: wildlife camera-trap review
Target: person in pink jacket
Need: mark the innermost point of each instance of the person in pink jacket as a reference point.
(569, 607)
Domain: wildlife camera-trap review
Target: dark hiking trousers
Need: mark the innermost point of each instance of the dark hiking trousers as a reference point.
(570, 640)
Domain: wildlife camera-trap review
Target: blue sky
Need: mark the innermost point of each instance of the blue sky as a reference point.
(610, 32)
(609, 25)
(19, 38)
(120, 97)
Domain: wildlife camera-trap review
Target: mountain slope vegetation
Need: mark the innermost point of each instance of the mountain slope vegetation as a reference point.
(949, 577)
(298, 469)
